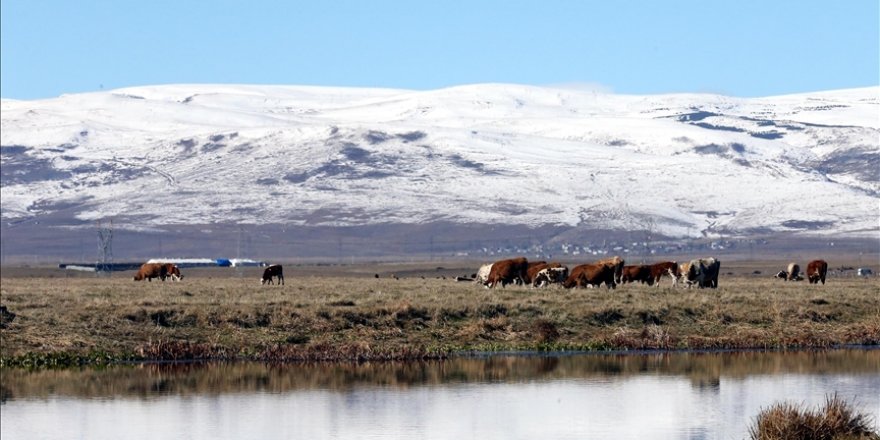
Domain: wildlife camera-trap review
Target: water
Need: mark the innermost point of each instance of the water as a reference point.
(663, 396)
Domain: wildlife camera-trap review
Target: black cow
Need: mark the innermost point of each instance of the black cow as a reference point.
(271, 272)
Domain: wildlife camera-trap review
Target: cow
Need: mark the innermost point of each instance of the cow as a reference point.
(550, 274)
(482, 276)
(617, 263)
(781, 275)
(148, 271)
(640, 273)
(173, 272)
(816, 271)
(702, 272)
(533, 269)
(508, 271)
(271, 272)
(670, 268)
(793, 271)
(683, 270)
(864, 272)
(589, 275)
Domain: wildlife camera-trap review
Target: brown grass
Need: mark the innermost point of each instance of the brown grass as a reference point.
(836, 420)
(361, 317)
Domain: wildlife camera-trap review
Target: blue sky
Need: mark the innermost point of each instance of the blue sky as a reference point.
(738, 48)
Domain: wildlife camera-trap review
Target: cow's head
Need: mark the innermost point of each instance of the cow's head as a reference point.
(559, 273)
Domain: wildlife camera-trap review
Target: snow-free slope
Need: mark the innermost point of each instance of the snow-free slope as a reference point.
(678, 165)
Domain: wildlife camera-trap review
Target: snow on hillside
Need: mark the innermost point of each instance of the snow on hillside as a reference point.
(682, 165)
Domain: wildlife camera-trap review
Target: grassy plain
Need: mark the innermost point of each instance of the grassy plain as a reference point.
(333, 314)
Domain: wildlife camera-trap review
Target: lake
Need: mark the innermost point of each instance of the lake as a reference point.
(692, 395)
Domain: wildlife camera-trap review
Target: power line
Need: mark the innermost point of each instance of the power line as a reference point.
(105, 248)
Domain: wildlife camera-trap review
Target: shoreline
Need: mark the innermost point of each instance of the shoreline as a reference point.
(69, 360)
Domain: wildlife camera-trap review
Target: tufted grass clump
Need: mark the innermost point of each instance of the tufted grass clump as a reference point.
(837, 419)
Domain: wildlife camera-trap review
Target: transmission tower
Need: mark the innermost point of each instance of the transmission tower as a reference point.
(105, 248)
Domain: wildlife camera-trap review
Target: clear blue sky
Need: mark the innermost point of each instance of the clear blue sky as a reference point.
(733, 47)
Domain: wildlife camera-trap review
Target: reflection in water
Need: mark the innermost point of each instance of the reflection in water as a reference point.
(679, 395)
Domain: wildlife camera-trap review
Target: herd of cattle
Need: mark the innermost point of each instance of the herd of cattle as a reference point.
(702, 273)
(816, 271)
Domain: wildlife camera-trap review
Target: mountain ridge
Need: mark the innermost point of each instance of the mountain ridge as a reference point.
(677, 165)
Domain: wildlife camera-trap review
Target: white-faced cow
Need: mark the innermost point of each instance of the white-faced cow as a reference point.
(702, 272)
(552, 273)
(533, 268)
(483, 274)
(148, 271)
(173, 272)
(272, 272)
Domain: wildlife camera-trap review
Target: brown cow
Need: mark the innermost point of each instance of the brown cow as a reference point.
(149, 271)
(816, 271)
(271, 272)
(640, 273)
(173, 272)
(508, 271)
(665, 268)
(591, 275)
(617, 263)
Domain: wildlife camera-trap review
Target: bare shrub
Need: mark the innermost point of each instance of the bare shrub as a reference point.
(545, 331)
(836, 420)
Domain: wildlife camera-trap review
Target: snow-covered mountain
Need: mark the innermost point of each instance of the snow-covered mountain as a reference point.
(679, 165)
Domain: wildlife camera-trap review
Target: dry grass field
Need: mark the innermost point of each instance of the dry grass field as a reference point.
(332, 313)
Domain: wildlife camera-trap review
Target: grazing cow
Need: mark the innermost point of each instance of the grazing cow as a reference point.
(550, 274)
(148, 271)
(702, 272)
(793, 271)
(683, 270)
(271, 272)
(591, 275)
(864, 272)
(665, 268)
(617, 263)
(816, 271)
(508, 271)
(781, 275)
(173, 272)
(482, 275)
(640, 273)
(533, 269)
